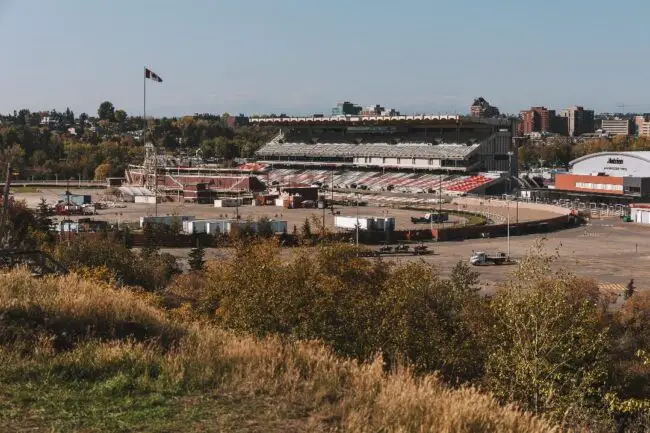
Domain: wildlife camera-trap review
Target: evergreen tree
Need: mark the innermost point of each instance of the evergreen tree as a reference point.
(629, 289)
(305, 230)
(151, 244)
(43, 221)
(43, 213)
(197, 257)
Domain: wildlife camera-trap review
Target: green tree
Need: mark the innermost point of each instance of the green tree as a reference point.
(169, 141)
(120, 116)
(305, 230)
(547, 342)
(151, 233)
(23, 117)
(224, 148)
(432, 323)
(197, 257)
(43, 222)
(69, 115)
(206, 149)
(106, 111)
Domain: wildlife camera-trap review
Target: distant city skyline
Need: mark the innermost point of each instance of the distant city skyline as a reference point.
(302, 58)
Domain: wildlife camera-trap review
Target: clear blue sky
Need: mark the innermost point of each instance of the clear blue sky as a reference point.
(302, 56)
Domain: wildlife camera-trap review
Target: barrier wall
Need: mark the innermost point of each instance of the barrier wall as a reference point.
(443, 234)
(498, 230)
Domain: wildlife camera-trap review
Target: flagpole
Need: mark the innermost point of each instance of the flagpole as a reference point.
(144, 140)
(144, 115)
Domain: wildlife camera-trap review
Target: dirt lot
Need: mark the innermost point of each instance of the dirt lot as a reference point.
(606, 250)
(132, 212)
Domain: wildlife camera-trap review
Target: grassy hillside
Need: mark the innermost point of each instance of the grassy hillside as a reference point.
(79, 355)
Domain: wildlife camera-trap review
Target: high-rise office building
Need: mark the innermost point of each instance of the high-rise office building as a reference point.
(579, 120)
(346, 108)
(482, 108)
(616, 126)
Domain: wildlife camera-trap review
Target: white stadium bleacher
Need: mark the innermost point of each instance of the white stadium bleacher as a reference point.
(401, 150)
(407, 182)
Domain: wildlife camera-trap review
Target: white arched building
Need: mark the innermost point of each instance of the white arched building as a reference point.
(616, 173)
(613, 164)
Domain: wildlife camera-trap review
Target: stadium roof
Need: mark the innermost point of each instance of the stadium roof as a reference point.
(379, 120)
(639, 154)
(440, 151)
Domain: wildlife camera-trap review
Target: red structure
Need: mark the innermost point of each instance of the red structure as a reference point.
(590, 184)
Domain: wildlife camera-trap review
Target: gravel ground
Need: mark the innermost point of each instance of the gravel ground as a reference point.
(607, 250)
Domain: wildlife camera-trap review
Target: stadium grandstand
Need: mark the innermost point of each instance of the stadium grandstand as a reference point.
(409, 154)
(419, 153)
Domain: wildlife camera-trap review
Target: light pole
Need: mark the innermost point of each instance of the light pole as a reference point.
(357, 221)
(508, 203)
(439, 198)
(510, 153)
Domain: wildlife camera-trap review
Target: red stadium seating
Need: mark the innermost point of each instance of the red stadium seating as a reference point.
(469, 184)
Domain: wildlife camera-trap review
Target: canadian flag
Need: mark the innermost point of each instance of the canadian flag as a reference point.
(148, 73)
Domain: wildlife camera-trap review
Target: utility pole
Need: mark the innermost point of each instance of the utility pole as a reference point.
(439, 199)
(5, 203)
(517, 209)
(508, 202)
(357, 222)
(324, 206)
(155, 178)
(237, 202)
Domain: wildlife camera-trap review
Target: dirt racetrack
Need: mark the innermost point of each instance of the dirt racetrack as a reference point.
(497, 209)
(607, 250)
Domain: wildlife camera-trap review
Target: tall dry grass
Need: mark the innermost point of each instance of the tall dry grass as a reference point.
(71, 309)
(336, 394)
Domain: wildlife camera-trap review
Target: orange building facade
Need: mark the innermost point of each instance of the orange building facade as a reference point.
(587, 183)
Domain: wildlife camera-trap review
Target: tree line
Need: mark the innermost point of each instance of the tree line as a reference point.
(90, 147)
(559, 151)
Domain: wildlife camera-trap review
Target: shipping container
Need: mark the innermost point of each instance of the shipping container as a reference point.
(365, 223)
(210, 226)
(195, 227)
(228, 202)
(218, 227)
(277, 226)
(75, 199)
(350, 222)
(146, 199)
(165, 220)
